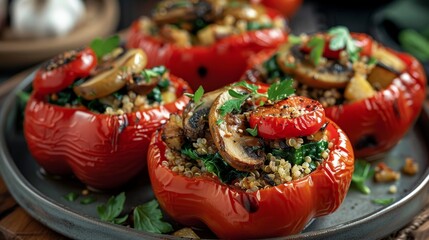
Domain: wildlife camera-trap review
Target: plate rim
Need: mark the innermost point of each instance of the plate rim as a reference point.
(19, 187)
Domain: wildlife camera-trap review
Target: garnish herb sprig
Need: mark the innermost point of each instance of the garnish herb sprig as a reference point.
(146, 217)
(362, 172)
(196, 97)
(383, 201)
(276, 92)
(103, 47)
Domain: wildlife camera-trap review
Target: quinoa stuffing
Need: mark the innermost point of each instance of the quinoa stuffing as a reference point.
(119, 85)
(216, 138)
(203, 22)
(334, 68)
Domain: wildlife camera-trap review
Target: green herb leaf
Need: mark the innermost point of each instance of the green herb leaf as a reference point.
(148, 74)
(148, 217)
(198, 95)
(102, 47)
(214, 164)
(110, 211)
(296, 156)
(232, 105)
(23, 96)
(341, 38)
(219, 121)
(235, 94)
(280, 90)
(88, 200)
(362, 172)
(372, 61)
(253, 131)
(317, 46)
(71, 197)
(294, 40)
(414, 43)
(383, 201)
(252, 87)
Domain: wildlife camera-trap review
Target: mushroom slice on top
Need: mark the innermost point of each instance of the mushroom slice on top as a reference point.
(238, 149)
(173, 11)
(110, 81)
(332, 74)
(195, 117)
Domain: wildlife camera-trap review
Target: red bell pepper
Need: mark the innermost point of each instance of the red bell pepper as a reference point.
(103, 151)
(211, 66)
(376, 124)
(236, 214)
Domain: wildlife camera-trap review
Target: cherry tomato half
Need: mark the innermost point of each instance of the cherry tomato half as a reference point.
(292, 117)
(61, 71)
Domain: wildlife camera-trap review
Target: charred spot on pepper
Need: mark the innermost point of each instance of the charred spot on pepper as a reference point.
(249, 202)
(202, 71)
(366, 141)
(395, 107)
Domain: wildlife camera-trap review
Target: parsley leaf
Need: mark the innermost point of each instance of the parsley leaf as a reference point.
(252, 87)
(372, 61)
(294, 40)
(148, 74)
(383, 201)
(88, 200)
(71, 197)
(280, 90)
(362, 172)
(317, 46)
(102, 47)
(148, 217)
(232, 105)
(110, 211)
(341, 38)
(235, 94)
(197, 95)
(253, 131)
(215, 164)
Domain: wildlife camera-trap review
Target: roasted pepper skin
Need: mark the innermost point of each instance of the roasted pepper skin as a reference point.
(211, 66)
(103, 151)
(375, 125)
(235, 214)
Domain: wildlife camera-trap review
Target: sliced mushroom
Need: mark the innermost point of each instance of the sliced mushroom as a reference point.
(172, 133)
(195, 117)
(169, 12)
(115, 78)
(332, 74)
(245, 11)
(237, 149)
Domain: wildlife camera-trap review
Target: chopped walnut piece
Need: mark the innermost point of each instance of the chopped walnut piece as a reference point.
(410, 167)
(384, 173)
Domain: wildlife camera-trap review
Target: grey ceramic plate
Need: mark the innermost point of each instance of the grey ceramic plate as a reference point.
(43, 196)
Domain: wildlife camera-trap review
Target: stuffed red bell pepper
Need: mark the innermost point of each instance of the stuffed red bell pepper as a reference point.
(207, 42)
(93, 115)
(250, 164)
(372, 92)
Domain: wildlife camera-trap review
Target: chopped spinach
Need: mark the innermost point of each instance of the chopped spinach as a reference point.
(214, 164)
(296, 156)
(154, 96)
(274, 72)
